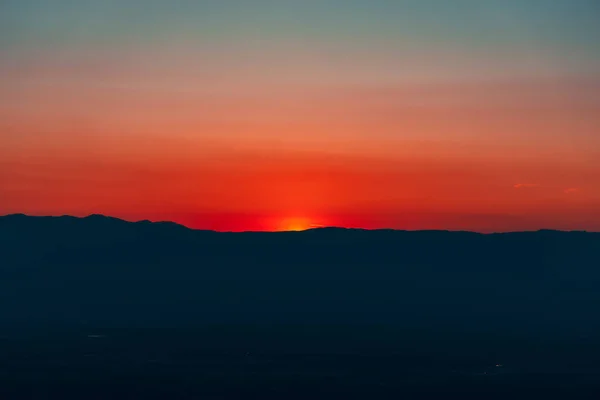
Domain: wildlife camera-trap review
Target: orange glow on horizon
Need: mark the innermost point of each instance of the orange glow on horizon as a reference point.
(295, 224)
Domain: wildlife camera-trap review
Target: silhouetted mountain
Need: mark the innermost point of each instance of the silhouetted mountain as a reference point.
(66, 269)
(152, 302)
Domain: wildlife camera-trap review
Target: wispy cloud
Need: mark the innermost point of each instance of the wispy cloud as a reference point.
(571, 190)
(526, 185)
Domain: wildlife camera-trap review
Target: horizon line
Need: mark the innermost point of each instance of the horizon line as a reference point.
(289, 231)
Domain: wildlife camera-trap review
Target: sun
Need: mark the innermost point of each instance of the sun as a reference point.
(294, 224)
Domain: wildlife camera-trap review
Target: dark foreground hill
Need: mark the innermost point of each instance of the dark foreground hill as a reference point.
(65, 270)
(132, 293)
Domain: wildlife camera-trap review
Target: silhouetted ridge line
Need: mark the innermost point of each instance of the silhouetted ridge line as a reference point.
(99, 218)
(106, 271)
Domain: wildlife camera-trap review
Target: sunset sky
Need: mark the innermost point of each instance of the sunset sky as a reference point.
(271, 114)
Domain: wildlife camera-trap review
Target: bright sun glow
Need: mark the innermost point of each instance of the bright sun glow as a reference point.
(295, 224)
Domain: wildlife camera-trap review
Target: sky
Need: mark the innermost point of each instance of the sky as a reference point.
(232, 115)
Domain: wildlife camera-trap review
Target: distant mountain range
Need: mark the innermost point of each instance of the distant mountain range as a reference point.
(102, 271)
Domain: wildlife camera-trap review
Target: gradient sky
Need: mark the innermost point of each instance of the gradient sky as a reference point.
(250, 115)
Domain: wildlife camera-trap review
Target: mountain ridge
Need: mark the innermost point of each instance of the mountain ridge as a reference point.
(107, 218)
(59, 271)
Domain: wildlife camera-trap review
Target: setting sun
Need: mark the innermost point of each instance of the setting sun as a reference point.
(295, 224)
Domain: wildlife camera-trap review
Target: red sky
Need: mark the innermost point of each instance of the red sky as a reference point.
(219, 185)
(253, 121)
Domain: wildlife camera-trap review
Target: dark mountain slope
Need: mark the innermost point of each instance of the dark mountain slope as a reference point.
(99, 306)
(64, 270)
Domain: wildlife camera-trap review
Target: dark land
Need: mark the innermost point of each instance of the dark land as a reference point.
(100, 308)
